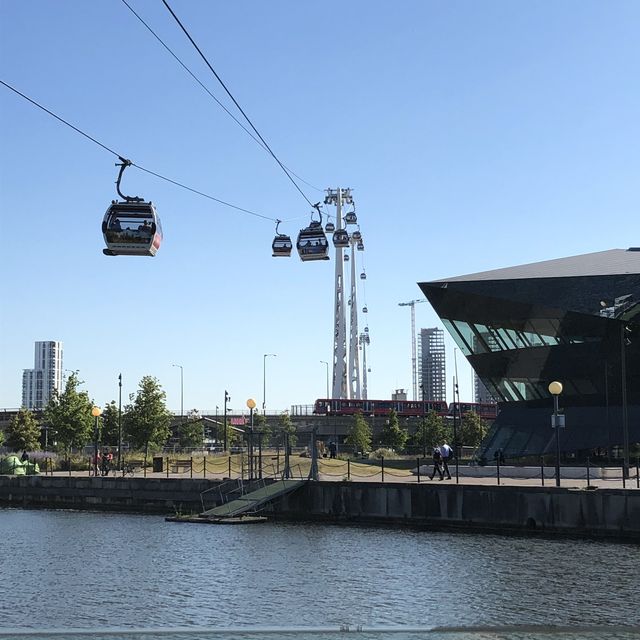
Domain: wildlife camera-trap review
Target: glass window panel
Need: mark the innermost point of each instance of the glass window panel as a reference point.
(455, 334)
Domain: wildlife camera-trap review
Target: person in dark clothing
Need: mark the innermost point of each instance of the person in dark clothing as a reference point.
(437, 464)
(24, 457)
(333, 449)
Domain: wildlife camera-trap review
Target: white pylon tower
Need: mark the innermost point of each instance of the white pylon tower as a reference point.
(354, 358)
(414, 363)
(340, 389)
(364, 341)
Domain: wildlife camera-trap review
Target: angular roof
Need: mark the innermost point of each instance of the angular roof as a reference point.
(600, 263)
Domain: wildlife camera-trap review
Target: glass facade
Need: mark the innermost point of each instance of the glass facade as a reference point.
(521, 334)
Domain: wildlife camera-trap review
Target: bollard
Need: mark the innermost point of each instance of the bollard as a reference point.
(542, 469)
(624, 479)
(349, 469)
(167, 466)
(191, 467)
(229, 467)
(204, 467)
(382, 467)
(498, 468)
(588, 473)
(418, 465)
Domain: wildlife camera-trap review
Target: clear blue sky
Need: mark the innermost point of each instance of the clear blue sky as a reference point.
(475, 135)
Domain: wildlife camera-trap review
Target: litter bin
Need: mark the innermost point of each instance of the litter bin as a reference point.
(158, 464)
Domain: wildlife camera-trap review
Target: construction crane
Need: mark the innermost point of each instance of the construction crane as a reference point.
(414, 370)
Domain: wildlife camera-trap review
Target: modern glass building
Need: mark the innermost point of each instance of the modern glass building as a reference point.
(575, 320)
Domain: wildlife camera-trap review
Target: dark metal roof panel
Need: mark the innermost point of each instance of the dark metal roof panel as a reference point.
(601, 263)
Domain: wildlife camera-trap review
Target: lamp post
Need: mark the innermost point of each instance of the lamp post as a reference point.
(327, 366)
(95, 412)
(625, 414)
(227, 398)
(251, 404)
(555, 389)
(264, 381)
(181, 391)
(120, 422)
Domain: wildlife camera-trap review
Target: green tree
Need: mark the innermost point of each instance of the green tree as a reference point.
(191, 431)
(431, 432)
(261, 425)
(359, 435)
(109, 427)
(23, 431)
(69, 416)
(147, 419)
(393, 436)
(287, 426)
(1, 437)
(473, 430)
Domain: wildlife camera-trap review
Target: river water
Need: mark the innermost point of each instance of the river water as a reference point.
(63, 569)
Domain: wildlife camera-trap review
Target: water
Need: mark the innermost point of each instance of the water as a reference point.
(61, 570)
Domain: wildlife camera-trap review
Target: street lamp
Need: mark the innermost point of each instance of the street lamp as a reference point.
(264, 380)
(251, 404)
(227, 398)
(95, 412)
(181, 391)
(119, 422)
(555, 389)
(327, 365)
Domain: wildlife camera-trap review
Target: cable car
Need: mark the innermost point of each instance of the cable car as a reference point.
(346, 257)
(281, 246)
(356, 235)
(330, 227)
(131, 227)
(363, 276)
(340, 238)
(366, 329)
(365, 310)
(360, 246)
(351, 218)
(312, 243)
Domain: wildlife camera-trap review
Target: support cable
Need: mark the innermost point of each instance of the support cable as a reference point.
(213, 97)
(133, 164)
(246, 117)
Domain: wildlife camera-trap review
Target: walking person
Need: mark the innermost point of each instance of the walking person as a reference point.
(447, 454)
(437, 464)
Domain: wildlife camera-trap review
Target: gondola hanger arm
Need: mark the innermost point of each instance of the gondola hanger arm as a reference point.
(123, 164)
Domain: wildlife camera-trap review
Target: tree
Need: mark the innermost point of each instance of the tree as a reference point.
(191, 432)
(147, 419)
(430, 433)
(359, 435)
(473, 429)
(288, 427)
(23, 431)
(393, 436)
(262, 426)
(109, 431)
(69, 416)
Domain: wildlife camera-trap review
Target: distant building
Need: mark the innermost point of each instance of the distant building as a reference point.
(399, 394)
(432, 375)
(39, 383)
(480, 391)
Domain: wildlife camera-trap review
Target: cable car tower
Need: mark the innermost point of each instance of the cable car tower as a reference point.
(338, 197)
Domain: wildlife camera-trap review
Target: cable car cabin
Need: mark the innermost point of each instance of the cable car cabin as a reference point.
(360, 245)
(281, 247)
(346, 257)
(363, 276)
(340, 238)
(351, 218)
(365, 310)
(131, 229)
(312, 243)
(356, 235)
(330, 227)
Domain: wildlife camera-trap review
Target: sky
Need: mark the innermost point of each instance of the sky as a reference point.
(474, 134)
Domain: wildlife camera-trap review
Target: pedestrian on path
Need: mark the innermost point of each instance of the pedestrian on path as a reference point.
(447, 454)
(437, 464)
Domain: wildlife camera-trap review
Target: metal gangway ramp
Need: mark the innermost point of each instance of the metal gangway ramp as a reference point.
(242, 497)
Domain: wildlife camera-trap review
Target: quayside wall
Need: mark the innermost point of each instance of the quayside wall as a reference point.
(599, 513)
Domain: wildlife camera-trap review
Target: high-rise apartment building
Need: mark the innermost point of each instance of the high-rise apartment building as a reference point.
(432, 376)
(39, 383)
(481, 393)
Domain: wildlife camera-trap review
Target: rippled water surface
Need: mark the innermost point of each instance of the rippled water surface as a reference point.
(61, 569)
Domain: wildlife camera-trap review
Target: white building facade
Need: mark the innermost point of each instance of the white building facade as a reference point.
(39, 383)
(432, 377)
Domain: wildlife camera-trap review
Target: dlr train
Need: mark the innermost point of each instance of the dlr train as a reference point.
(403, 408)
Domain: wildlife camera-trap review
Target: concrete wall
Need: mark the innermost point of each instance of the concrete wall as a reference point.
(604, 513)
